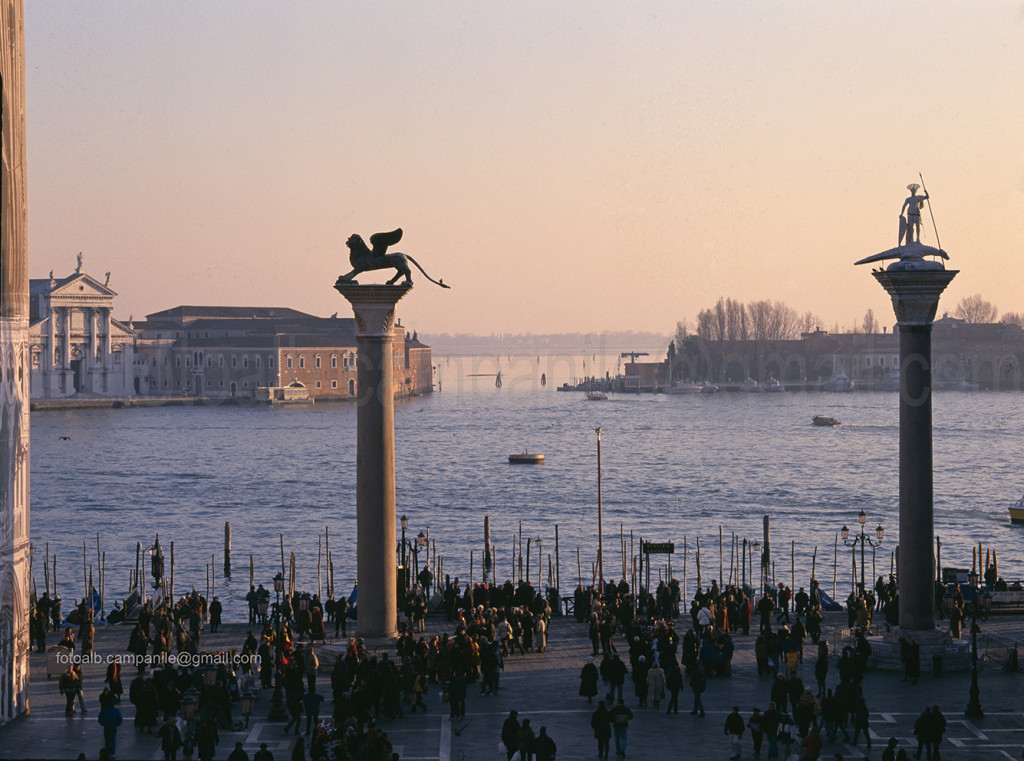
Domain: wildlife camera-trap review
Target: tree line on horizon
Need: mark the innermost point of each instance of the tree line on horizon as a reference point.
(766, 321)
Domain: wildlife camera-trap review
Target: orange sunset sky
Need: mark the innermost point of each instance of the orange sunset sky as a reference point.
(565, 166)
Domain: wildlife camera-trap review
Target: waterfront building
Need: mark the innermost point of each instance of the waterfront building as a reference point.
(76, 345)
(241, 352)
(964, 355)
(14, 370)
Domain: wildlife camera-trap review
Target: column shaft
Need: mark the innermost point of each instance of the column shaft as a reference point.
(917, 593)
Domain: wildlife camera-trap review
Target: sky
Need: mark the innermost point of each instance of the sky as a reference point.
(565, 166)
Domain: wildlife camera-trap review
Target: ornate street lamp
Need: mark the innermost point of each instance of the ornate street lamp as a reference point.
(189, 702)
(600, 536)
(862, 539)
(209, 675)
(247, 703)
(405, 525)
(755, 547)
(974, 703)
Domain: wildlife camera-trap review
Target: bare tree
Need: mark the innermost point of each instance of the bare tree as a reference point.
(974, 309)
(808, 322)
(682, 333)
(870, 324)
(1013, 318)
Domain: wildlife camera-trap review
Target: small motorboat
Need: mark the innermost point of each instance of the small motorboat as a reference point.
(597, 396)
(526, 458)
(751, 386)
(683, 387)
(1017, 511)
(825, 420)
(772, 384)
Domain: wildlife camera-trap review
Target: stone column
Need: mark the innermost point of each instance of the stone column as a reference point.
(14, 379)
(108, 360)
(915, 295)
(374, 308)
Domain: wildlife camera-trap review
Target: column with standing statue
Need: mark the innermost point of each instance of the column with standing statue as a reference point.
(915, 283)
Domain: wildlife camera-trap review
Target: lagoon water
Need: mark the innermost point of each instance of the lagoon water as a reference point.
(673, 467)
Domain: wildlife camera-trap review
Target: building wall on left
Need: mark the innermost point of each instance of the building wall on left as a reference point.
(14, 370)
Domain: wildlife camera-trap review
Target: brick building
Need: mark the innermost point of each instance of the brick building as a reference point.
(230, 352)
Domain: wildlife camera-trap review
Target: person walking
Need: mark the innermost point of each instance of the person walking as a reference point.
(620, 716)
(734, 730)
(524, 741)
(655, 685)
(698, 683)
(938, 729)
(509, 730)
(588, 680)
(170, 738)
(674, 684)
(601, 723)
(860, 722)
(544, 747)
(812, 744)
(311, 706)
(110, 719)
(756, 730)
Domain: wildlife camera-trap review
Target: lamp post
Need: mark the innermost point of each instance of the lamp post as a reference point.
(755, 548)
(405, 571)
(278, 588)
(862, 539)
(540, 565)
(189, 704)
(600, 533)
(974, 703)
(247, 703)
(421, 541)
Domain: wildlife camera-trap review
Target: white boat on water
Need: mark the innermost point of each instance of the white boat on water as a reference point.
(840, 382)
(683, 387)
(772, 384)
(750, 386)
(1017, 511)
(707, 387)
(890, 381)
(597, 396)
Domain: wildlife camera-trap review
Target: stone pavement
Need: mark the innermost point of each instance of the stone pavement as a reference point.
(543, 687)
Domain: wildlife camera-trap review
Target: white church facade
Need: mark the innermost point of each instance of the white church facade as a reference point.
(76, 347)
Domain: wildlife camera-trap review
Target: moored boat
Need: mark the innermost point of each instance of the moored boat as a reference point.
(840, 382)
(750, 386)
(772, 384)
(683, 387)
(526, 458)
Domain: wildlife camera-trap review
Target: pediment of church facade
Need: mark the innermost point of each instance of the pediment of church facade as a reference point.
(82, 287)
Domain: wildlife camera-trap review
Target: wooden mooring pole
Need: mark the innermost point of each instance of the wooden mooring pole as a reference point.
(227, 548)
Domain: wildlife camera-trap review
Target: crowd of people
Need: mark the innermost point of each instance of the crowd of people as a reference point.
(645, 654)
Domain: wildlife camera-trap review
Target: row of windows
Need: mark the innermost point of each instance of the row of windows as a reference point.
(348, 361)
(245, 384)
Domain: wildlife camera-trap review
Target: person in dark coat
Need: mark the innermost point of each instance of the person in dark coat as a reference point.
(601, 723)
(544, 747)
(206, 740)
(588, 680)
(216, 610)
(170, 738)
(509, 730)
(110, 719)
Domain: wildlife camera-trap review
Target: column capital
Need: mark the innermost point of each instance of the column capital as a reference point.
(915, 292)
(373, 306)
